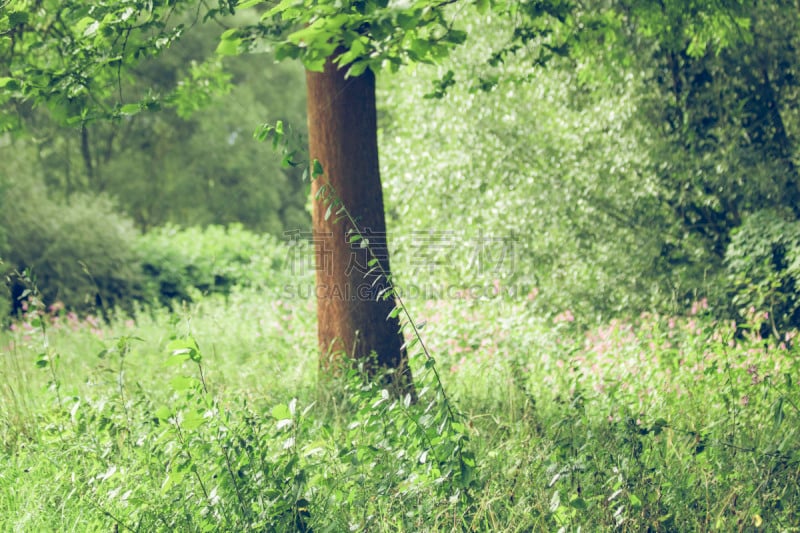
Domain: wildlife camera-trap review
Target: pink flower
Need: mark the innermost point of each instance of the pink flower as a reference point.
(565, 316)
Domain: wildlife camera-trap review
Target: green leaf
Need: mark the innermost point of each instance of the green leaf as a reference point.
(183, 345)
(467, 474)
(456, 36)
(163, 413)
(777, 414)
(91, 29)
(229, 47)
(280, 8)
(177, 358)
(357, 69)
(192, 419)
(316, 169)
(555, 502)
(277, 134)
(130, 109)
(577, 502)
(9, 83)
(636, 503)
(262, 132)
(181, 383)
(18, 18)
(281, 412)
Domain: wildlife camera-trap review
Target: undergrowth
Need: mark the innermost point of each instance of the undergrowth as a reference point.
(660, 424)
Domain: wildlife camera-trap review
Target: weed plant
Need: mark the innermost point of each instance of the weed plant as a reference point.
(213, 419)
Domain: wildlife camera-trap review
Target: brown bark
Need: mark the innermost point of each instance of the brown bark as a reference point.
(352, 320)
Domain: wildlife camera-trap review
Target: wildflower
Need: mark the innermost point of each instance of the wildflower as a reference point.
(701, 305)
(565, 316)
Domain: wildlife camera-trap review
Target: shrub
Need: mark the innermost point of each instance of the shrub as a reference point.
(81, 252)
(763, 262)
(183, 263)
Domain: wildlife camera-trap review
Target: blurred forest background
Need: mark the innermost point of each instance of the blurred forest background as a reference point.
(644, 177)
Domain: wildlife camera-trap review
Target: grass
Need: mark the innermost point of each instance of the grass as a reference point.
(212, 417)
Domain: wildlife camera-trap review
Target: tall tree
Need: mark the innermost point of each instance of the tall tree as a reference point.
(342, 46)
(353, 318)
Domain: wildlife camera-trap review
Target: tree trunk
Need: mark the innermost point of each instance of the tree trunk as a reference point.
(353, 321)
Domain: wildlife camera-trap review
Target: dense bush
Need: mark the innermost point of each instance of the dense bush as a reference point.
(763, 262)
(184, 263)
(81, 252)
(86, 255)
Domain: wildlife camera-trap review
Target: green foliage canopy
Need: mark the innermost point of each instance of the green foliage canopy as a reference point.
(69, 56)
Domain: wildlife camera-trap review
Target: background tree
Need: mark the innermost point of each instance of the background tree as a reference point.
(191, 162)
(720, 106)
